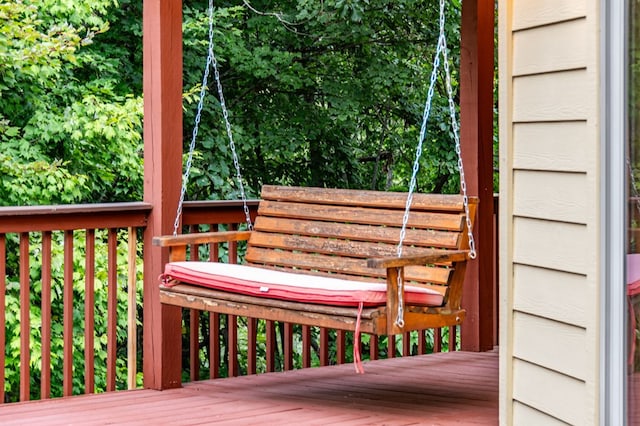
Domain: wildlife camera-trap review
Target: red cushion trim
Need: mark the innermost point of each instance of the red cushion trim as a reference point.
(282, 285)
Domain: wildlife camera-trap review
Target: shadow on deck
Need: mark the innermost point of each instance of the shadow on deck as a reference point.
(458, 388)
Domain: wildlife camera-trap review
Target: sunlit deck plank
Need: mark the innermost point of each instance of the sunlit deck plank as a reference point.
(442, 389)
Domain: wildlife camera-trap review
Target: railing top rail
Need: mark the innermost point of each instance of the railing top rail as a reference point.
(217, 211)
(73, 217)
(75, 209)
(204, 204)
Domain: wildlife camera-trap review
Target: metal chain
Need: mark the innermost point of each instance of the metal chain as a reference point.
(225, 115)
(211, 60)
(416, 166)
(441, 48)
(423, 132)
(456, 135)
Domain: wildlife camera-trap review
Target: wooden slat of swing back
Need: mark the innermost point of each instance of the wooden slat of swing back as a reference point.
(357, 232)
(363, 215)
(362, 198)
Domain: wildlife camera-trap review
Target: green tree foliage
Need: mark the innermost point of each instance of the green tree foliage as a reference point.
(70, 121)
(321, 93)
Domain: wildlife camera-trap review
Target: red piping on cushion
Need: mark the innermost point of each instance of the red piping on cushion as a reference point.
(166, 280)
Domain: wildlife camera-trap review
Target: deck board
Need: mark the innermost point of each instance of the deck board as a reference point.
(440, 389)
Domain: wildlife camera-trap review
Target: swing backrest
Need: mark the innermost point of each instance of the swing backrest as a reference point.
(333, 231)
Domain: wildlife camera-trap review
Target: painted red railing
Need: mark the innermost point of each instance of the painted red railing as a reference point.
(53, 255)
(70, 286)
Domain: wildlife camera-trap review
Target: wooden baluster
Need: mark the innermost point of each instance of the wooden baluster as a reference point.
(252, 338)
(373, 347)
(422, 342)
(287, 349)
(132, 332)
(214, 248)
(340, 347)
(194, 323)
(391, 346)
(232, 341)
(25, 329)
(453, 332)
(270, 329)
(194, 347)
(232, 320)
(406, 344)
(233, 246)
(67, 315)
(306, 346)
(324, 346)
(214, 320)
(437, 340)
(112, 305)
(45, 315)
(214, 345)
(89, 311)
(3, 314)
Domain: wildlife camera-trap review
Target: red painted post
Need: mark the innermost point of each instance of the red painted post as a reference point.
(476, 131)
(162, 79)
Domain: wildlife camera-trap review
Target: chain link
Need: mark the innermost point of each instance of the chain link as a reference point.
(441, 48)
(211, 61)
(423, 132)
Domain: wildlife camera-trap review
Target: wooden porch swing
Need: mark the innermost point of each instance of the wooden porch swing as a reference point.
(374, 262)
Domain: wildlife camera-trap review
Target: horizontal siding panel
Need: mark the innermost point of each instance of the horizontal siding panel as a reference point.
(563, 96)
(555, 245)
(524, 415)
(551, 344)
(551, 294)
(550, 195)
(549, 392)
(556, 47)
(527, 13)
(560, 146)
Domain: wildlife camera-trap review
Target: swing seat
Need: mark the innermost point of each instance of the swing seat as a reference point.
(327, 257)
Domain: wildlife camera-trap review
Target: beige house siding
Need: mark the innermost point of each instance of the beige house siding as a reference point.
(549, 149)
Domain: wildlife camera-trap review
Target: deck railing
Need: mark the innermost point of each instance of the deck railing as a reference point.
(70, 305)
(69, 285)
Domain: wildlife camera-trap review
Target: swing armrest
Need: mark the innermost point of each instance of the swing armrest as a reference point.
(178, 243)
(200, 238)
(434, 256)
(394, 267)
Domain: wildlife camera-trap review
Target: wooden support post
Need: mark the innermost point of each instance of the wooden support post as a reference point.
(476, 131)
(162, 77)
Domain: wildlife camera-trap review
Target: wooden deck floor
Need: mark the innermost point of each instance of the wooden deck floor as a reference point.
(459, 388)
